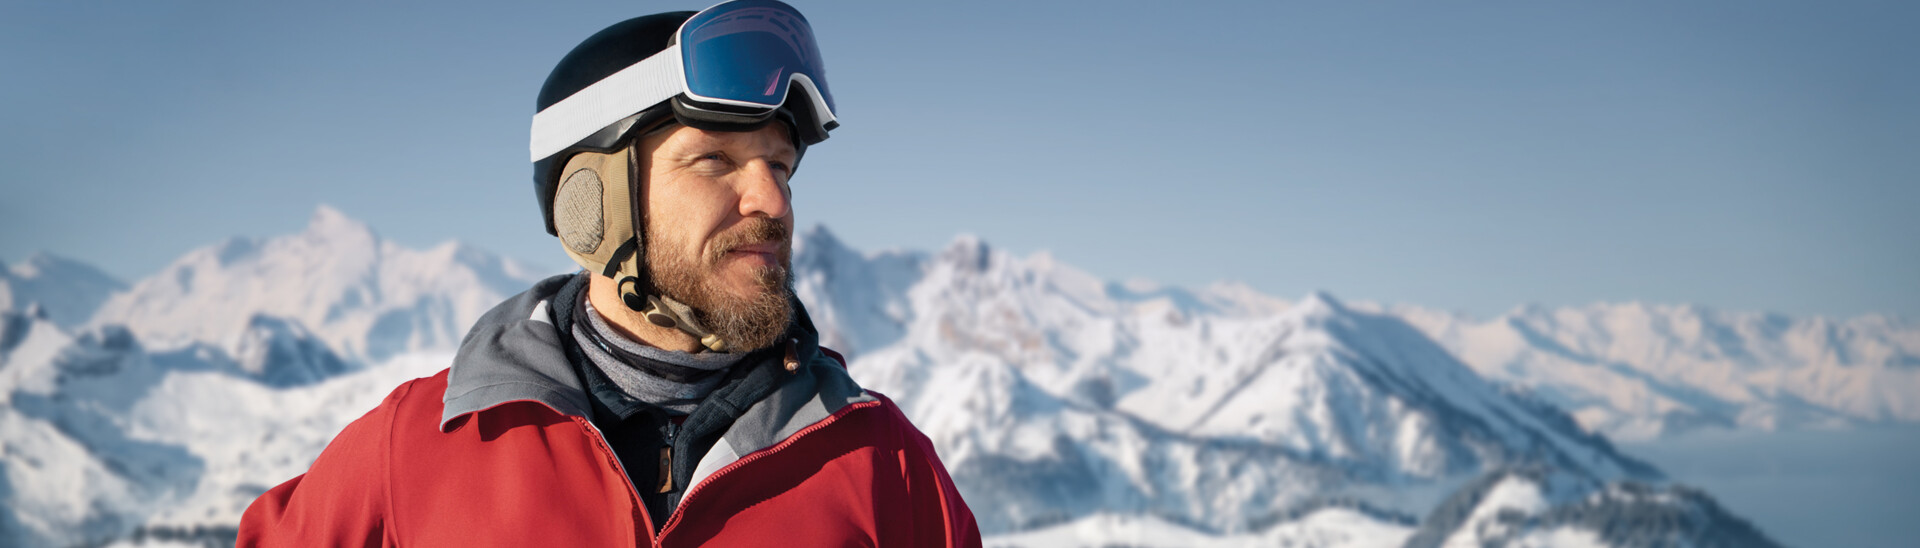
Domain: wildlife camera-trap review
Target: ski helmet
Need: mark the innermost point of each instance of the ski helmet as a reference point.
(736, 66)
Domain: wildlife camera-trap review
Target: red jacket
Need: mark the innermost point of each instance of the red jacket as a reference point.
(508, 457)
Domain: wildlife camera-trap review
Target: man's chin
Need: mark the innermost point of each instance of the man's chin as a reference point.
(746, 291)
(739, 274)
(750, 313)
(740, 283)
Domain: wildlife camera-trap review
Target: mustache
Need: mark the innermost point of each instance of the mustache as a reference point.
(752, 231)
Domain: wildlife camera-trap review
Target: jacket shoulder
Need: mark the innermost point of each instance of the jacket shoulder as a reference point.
(343, 498)
(940, 515)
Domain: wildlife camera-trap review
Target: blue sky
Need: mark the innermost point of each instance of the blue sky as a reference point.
(1471, 156)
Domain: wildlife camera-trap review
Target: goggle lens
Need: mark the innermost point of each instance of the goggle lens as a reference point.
(748, 51)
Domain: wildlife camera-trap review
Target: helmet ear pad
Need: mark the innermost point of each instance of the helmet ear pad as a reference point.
(593, 211)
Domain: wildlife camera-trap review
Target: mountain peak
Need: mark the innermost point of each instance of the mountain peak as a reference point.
(818, 237)
(968, 250)
(67, 291)
(327, 221)
(368, 298)
(967, 241)
(38, 263)
(1320, 303)
(44, 265)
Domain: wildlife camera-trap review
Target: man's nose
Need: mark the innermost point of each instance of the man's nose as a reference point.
(765, 194)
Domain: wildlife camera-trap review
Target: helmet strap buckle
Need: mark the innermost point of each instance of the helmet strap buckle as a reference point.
(661, 310)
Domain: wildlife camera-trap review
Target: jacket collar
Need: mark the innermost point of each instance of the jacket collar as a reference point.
(515, 353)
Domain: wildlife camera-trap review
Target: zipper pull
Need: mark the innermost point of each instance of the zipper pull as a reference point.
(666, 457)
(666, 469)
(792, 359)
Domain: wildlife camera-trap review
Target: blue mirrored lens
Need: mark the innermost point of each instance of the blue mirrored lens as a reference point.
(748, 50)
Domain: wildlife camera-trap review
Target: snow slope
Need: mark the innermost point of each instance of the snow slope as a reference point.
(367, 298)
(1059, 396)
(1326, 528)
(67, 291)
(1637, 371)
(1070, 410)
(863, 297)
(1542, 508)
(69, 471)
(102, 435)
(196, 389)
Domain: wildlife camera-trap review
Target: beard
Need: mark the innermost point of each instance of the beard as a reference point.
(746, 323)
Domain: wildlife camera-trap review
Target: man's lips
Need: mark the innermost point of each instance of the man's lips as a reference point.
(765, 253)
(763, 248)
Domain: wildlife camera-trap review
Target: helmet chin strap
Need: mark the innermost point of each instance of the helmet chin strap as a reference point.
(666, 312)
(662, 310)
(655, 308)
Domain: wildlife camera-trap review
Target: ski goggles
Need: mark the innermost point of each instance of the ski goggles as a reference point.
(736, 62)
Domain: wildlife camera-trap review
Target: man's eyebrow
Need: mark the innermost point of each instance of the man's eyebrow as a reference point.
(784, 152)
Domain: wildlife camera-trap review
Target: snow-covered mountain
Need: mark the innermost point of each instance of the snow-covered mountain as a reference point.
(64, 290)
(367, 298)
(1059, 396)
(1541, 508)
(71, 472)
(1637, 371)
(861, 298)
(1328, 527)
(1060, 402)
(195, 389)
(102, 435)
(1521, 508)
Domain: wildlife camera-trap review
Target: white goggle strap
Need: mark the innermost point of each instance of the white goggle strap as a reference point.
(632, 89)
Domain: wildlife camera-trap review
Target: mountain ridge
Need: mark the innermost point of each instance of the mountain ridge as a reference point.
(366, 297)
(1638, 371)
(66, 290)
(1150, 403)
(1053, 396)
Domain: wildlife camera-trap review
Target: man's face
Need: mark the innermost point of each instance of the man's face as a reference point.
(719, 226)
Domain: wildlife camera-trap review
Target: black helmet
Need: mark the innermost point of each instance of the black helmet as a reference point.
(736, 66)
(611, 56)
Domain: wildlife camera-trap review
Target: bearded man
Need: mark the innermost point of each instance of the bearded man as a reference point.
(673, 393)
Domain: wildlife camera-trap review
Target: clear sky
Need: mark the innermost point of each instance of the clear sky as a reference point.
(1470, 156)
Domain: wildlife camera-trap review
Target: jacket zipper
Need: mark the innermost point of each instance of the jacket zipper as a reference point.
(694, 490)
(639, 505)
(666, 456)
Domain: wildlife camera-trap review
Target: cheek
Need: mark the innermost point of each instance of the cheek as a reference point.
(665, 215)
(686, 213)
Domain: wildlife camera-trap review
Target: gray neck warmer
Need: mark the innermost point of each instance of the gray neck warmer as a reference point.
(675, 381)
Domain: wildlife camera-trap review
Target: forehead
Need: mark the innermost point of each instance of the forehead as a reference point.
(770, 140)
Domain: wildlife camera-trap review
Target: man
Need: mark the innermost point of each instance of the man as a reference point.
(674, 393)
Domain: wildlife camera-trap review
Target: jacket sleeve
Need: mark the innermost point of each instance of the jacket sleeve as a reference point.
(341, 500)
(940, 517)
